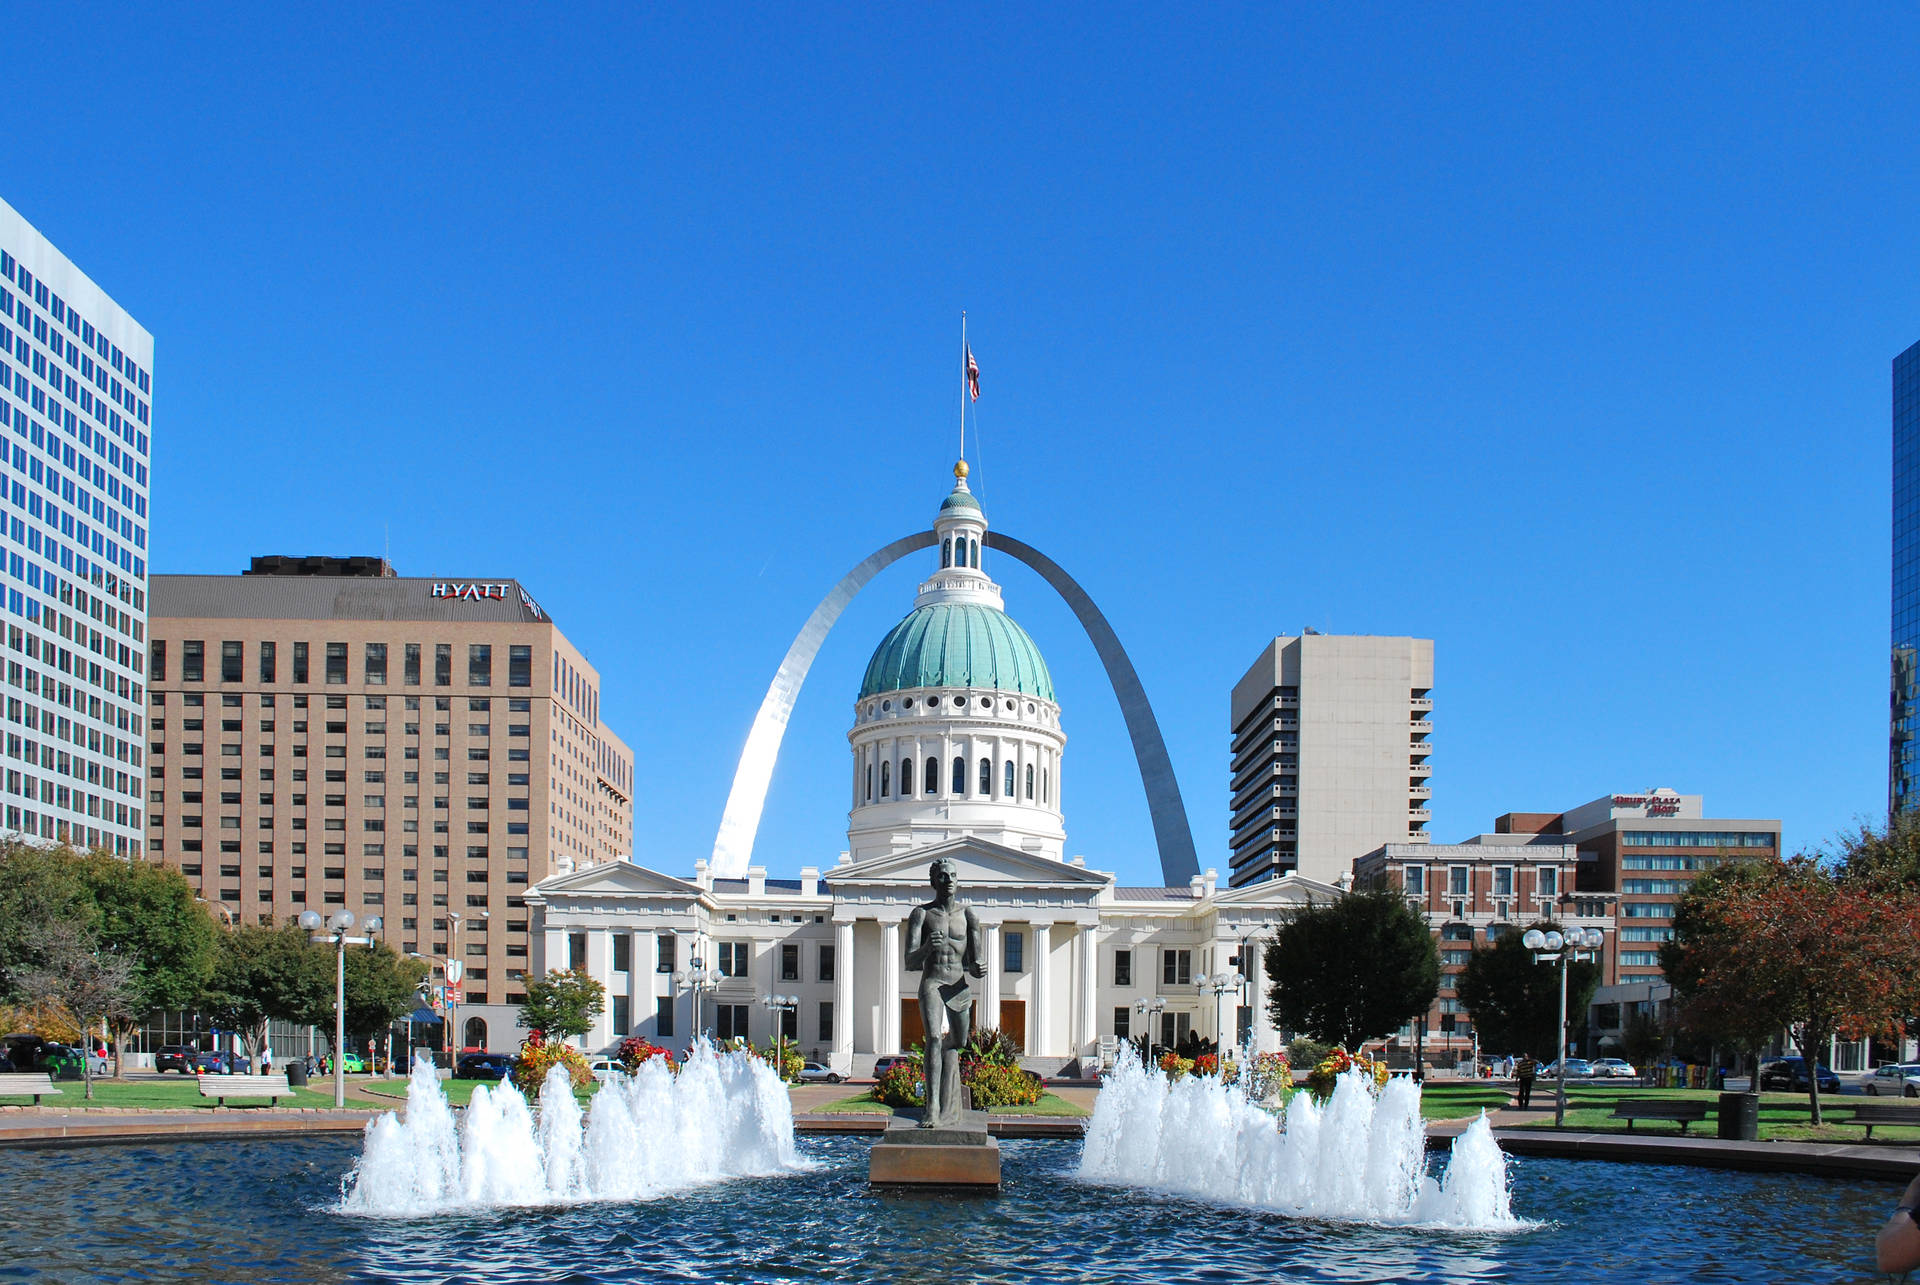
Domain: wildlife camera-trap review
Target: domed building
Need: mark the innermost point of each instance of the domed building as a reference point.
(957, 751)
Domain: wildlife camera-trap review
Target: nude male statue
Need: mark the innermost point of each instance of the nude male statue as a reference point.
(943, 942)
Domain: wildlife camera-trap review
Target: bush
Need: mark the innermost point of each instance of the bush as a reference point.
(996, 1084)
(635, 1050)
(1207, 1064)
(991, 1044)
(538, 1055)
(1338, 1062)
(785, 1060)
(904, 1085)
(1176, 1066)
(1307, 1052)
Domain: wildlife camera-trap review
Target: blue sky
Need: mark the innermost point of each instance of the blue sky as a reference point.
(1563, 341)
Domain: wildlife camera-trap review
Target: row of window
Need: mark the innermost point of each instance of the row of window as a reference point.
(1460, 880)
(1695, 839)
(193, 663)
(931, 778)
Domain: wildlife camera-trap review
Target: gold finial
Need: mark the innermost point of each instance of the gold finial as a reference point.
(960, 470)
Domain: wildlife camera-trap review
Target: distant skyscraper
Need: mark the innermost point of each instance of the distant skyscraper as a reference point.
(1902, 777)
(1330, 745)
(75, 387)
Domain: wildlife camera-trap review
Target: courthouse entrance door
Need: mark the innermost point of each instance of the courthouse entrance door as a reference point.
(913, 1030)
(1013, 1020)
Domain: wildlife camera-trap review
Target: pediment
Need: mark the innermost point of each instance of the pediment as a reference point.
(617, 879)
(982, 863)
(1288, 890)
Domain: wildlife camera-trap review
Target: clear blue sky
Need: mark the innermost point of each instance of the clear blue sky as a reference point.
(1562, 341)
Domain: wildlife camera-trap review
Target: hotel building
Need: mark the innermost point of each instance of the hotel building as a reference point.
(75, 412)
(1331, 738)
(326, 734)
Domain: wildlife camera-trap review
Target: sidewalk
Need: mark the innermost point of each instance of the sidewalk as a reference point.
(53, 1128)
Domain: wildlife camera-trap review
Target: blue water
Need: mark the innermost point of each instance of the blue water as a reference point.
(260, 1211)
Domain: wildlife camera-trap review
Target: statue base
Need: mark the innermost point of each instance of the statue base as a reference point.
(958, 1155)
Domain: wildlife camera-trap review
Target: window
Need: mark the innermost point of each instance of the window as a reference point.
(906, 778)
(986, 776)
(1176, 967)
(959, 776)
(576, 942)
(733, 958)
(730, 1021)
(790, 963)
(1457, 880)
(886, 775)
(269, 670)
(410, 666)
(622, 953)
(1174, 1027)
(622, 1016)
(300, 663)
(1503, 881)
(443, 664)
(336, 663)
(519, 666)
(1029, 782)
(1123, 968)
(1414, 880)
(826, 1021)
(663, 1018)
(376, 664)
(930, 782)
(1122, 1023)
(826, 964)
(1009, 775)
(193, 661)
(869, 782)
(1013, 952)
(232, 662)
(1549, 881)
(479, 665)
(157, 666)
(666, 953)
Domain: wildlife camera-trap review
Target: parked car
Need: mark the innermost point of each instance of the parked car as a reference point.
(817, 1073)
(1790, 1074)
(174, 1057)
(217, 1063)
(1578, 1068)
(353, 1063)
(1889, 1081)
(1614, 1068)
(483, 1066)
(606, 1068)
(881, 1065)
(37, 1053)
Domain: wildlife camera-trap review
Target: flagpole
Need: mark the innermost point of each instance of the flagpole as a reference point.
(963, 383)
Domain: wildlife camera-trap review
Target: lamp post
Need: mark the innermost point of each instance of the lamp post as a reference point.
(1148, 1008)
(337, 928)
(697, 977)
(1553, 947)
(1220, 985)
(780, 1006)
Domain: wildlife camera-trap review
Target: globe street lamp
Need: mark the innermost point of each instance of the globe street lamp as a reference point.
(696, 978)
(1220, 985)
(781, 1005)
(1553, 947)
(337, 928)
(1149, 1008)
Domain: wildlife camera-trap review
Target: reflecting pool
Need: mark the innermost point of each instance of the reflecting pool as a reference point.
(266, 1211)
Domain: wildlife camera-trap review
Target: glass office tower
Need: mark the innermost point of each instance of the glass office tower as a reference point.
(1903, 775)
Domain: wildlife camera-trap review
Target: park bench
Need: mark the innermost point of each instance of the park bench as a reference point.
(1870, 1114)
(1679, 1110)
(222, 1087)
(21, 1084)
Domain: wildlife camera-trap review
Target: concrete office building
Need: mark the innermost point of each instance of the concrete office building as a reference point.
(1330, 754)
(75, 388)
(1903, 772)
(326, 734)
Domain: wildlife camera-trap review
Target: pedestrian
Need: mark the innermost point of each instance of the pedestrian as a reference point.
(1525, 1072)
(266, 1061)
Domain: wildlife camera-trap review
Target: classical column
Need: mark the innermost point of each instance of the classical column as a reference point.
(843, 996)
(554, 958)
(889, 987)
(1253, 965)
(990, 993)
(1089, 992)
(1043, 1038)
(639, 983)
(600, 968)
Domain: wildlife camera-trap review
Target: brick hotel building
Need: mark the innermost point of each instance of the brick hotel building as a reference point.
(325, 734)
(75, 379)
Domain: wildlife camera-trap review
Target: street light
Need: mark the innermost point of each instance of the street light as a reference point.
(1220, 985)
(780, 1005)
(1148, 1008)
(1553, 947)
(696, 978)
(336, 932)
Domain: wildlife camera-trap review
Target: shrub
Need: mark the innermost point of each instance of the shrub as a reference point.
(635, 1050)
(1175, 1066)
(1271, 1074)
(1336, 1063)
(1207, 1064)
(1307, 1052)
(996, 1084)
(785, 1060)
(904, 1085)
(538, 1055)
(991, 1044)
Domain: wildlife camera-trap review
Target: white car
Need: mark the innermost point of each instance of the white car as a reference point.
(606, 1068)
(1890, 1081)
(1614, 1068)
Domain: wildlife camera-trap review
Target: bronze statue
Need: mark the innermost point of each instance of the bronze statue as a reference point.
(943, 942)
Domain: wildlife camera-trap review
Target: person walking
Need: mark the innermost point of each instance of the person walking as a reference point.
(1525, 1073)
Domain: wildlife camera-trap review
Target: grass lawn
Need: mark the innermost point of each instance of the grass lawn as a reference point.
(1783, 1116)
(183, 1095)
(1443, 1101)
(861, 1104)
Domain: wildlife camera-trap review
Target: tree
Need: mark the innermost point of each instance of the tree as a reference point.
(39, 887)
(380, 988)
(1712, 1003)
(147, 915)
(92, 984)
(261, 973)
(1515, 1003)
(563, 1004)
(1352, 970)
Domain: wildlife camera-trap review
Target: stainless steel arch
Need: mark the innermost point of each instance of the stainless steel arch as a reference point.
(733, 846)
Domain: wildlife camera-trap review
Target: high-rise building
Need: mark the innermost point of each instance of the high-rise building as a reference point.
(1903, 774)
(75, 409)
(328, 735)
(1330, 744)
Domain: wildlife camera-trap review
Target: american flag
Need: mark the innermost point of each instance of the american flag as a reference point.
(973, 375)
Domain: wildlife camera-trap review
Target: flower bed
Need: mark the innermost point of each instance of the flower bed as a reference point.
(538, 1055)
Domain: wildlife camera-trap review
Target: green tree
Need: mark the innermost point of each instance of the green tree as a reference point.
(261, 973)
(1515, 1003)
(563, 1003)
(78, 974)
(380, 988)
(1352, 970)
(1711, 1002)
(39, 887)
(147, 916)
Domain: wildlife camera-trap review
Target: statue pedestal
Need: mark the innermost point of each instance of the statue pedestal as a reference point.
(960, 1155)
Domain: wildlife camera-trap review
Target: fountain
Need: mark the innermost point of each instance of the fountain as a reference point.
(649, 1134)
(1358, 1157)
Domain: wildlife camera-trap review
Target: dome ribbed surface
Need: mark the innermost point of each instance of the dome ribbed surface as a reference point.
(960, 500)
(958, 644)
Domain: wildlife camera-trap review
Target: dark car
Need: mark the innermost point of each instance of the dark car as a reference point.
(483, 1066)
(174, 1057)
(1790, 1074)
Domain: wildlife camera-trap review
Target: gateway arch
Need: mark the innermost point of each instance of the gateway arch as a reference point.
(733, 846)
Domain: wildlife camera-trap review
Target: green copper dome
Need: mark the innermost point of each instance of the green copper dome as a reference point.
(959, 500)
(958, 644)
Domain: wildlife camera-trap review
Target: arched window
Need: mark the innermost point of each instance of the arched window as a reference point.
(931, 781)
(986, 777)
(946, 552)
(869, 782)
(976, 553)
(906, 778)
(1009, 793)
(1046, 785)
(959, 776)
(1029, 782)
(476, 1033)
(886, 772)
